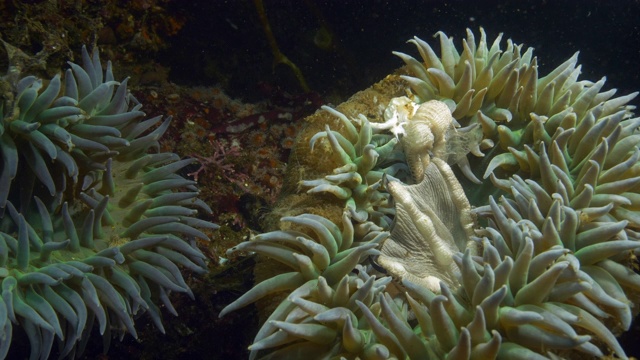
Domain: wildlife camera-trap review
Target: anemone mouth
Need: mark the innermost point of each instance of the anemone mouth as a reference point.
(433, 221)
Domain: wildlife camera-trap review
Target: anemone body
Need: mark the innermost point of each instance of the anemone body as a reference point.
(93, 218)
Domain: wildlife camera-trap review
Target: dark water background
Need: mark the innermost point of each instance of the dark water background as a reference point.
(224, 42)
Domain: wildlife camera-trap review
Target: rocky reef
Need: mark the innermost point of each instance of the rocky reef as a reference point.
(463, 207)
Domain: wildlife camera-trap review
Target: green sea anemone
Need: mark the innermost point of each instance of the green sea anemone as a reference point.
(364, 158)
(93, 218)
(546, 270)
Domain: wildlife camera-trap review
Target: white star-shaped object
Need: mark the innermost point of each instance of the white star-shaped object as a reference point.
(396, 116)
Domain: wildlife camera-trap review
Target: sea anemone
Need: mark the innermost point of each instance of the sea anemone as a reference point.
(363, 158)
(115, 253)
(564, 156)
(545, 270)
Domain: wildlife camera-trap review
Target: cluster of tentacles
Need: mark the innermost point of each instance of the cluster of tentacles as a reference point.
(364, 157)
(549, 269)
(564, 158)
(93, 217)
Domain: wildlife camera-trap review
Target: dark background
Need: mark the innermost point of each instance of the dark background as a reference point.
(223, 41)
